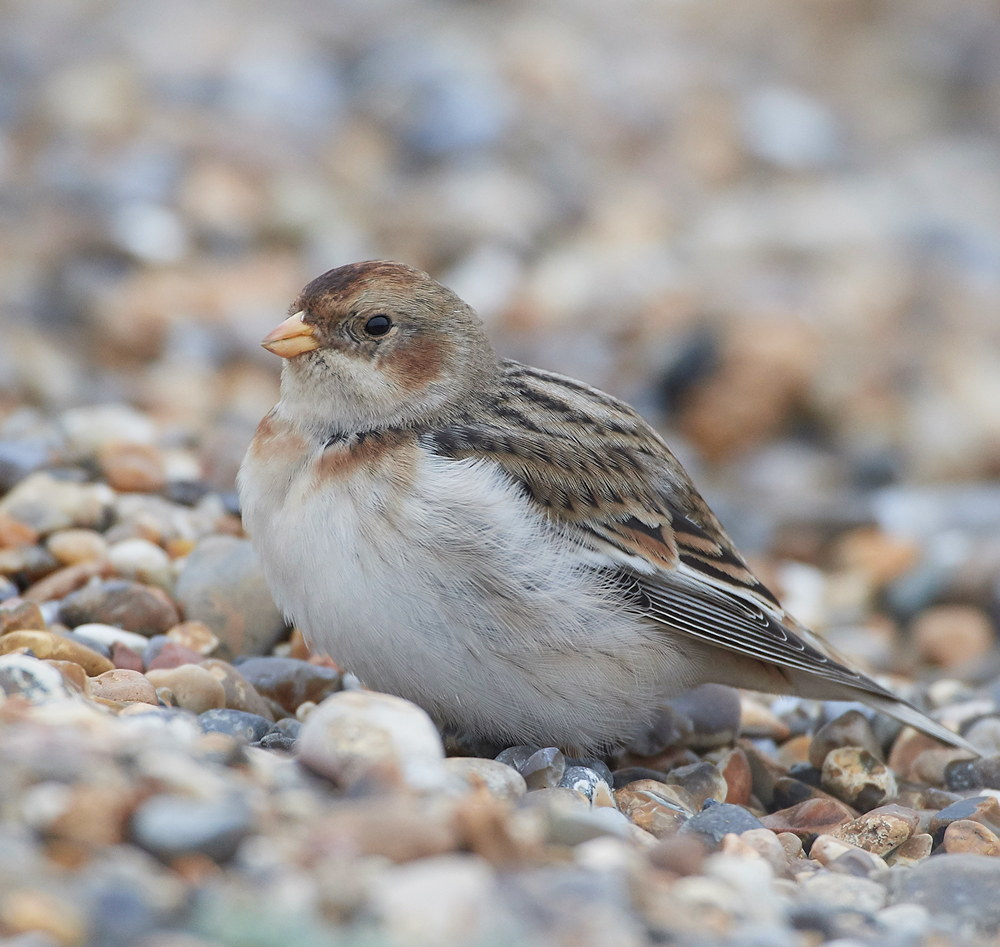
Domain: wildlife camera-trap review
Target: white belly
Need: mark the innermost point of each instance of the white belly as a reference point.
(436, 580)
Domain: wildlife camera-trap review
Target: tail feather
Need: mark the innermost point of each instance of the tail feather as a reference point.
(908, 714)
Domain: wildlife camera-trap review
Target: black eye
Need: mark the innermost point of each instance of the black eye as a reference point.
(378, 325)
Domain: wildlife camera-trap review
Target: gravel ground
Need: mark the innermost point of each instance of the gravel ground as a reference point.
(772, 226)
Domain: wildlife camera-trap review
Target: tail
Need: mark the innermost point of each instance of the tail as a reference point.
(908, 714)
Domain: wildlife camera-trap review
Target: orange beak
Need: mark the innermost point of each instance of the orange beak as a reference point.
(291, 338)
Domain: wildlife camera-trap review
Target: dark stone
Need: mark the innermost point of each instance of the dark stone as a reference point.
(982, 809)
(584, 780)
(806, 773)
(982, 773)
(124, 604)
(714, 713)
(789, 792)
(277, 740)
(717, 820)
(244, 727)
(172, 654)
(186, 492)
(544, 768)
(169, 826)
(517, 756)
(289, 681)
(291, 726)
(597, 766)
(960, 886)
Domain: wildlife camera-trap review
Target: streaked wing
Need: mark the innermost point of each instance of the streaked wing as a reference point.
(604, 476)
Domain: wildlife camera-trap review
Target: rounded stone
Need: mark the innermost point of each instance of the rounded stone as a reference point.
(193, 687)
(222, 585)
(30, 678)
(701, 780)
(169, 826)
(48, 504)
(142, 561)
(109, 636)
(45, 644)
(20, 616)
(121, 603)
(244, 727)
(544, 768)
(356, 737)
(73, 546)
(718, 820)
(880, 830)
(499, 780)
(289, 681)
(963, 887)
(240, 693)
(123, 686)
(849, 729)
(133, 468)
(963, 836)
(856, 777)
(589, 783)
(950, 635)
(195, 635)
(714, 712)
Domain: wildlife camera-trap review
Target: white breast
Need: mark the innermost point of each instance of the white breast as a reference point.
(437, 580)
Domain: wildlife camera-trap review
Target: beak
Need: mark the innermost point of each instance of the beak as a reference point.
(291, 338)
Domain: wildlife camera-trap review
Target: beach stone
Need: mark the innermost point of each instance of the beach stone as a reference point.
(27, 564)
(20, 616)
(965, 775)
(702, 781)
(769, 847)
(735, 770)
(880, 830)
(73, 546)
(290, 681)
(951, 635)
(90, 428)
(499, 780)
(360, 737)
(913, 850)
(124, 686)
(109, 635)
(820, 816)
(7, 589)
(172, 655)
(169, 826)
(121, 603)
(57, 585)
(15, 533)
(963, 887)
(142, 561)
(658, 808)
(588, 783)
(47, 503)
(843, 891)
(963, 836)
(849, 729)
(718, 820)
(544, 768)
(982, 809)
(133, 468)
(193, 687)
(856, 777)
(196, 636)
(241, 726)
(124, 657)
(30, 678)
(45, 644)
(240, 693)
(222, 585)
(682, 855)
(516, 756)
(714, 713)
(574, 826)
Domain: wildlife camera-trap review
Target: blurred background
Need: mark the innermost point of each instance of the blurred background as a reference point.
(773, 226)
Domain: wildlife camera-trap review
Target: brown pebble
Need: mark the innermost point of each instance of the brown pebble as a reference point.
(73, 546)
(290, 682)
(20, 615)
(73, 675)
(930, 766)
(880, 830)
(240, 693)
(856, 777)
(950, 635)
(193, 687)
(68, 579)
(123, 657)
(970, 838)
(906, 748)
(735, 770)
(195, 635)
(173, 655)
(914, 849)
(124, 604)
(124, 685)
(133, 468)
(849, 729)
(15, 533)
(658, 808)
(813, 817)
(45, 644)
(95, 815)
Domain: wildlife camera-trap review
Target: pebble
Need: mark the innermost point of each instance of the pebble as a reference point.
(574, 826)
(289, 681)
(170, 826)
(243, 727)
(60, 583)
(240, 693)
(656, 807)
(26, 564)
(120, 603)
(844, 891)
(982, 809)
(109, 635)
(965, 775)
(588, 783)
(45, 644)
(849, 729)
(196, 636)
(702, 781)
(124, 686)
(48, 504)
(735, 770)
(962, 887)
(856, 777)
(822, 816)
(193, 687)
(89, 429)
(500, 780)
(15, 533)
(358, 738)
(142, 561)
(544, 768)
(73, 546)
(30, 678)
(714, 713)
(7, 588)
(963, 836)
(880, 830)
(951, 635)
(913, 850)
(133, 468)
(716, 821)
(170, 654)
(20, 616)
(222, 585)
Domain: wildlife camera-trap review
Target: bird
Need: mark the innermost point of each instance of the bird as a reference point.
(518, 553)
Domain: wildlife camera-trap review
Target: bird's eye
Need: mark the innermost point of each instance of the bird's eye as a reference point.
(378, 325)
